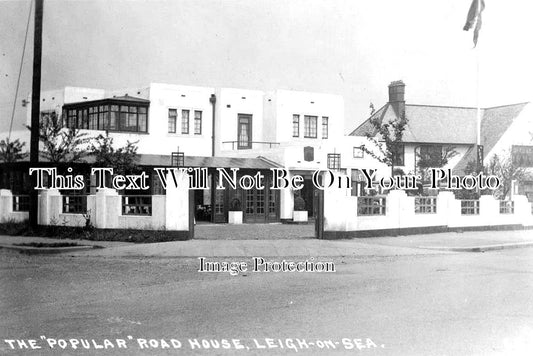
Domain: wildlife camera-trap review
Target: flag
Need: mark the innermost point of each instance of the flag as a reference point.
(474, 18)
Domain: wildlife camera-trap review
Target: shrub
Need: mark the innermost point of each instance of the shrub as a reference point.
(81, 232)
(299, 204)
(235, 205)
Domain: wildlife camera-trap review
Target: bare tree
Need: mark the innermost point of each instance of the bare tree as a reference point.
(390, 144)
(123, 159)
(59, 143)
(435, 157)
(508, 170)
(11, 151)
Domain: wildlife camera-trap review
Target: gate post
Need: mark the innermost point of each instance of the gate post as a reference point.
(192, 212)
(319, 220)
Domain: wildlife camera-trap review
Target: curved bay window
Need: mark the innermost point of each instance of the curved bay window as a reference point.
(125, 114)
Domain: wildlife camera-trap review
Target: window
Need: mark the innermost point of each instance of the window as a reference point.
(398, 159)
(143, 119)
(103, 117)
(106, 114)
(334, 161)
(197, 122)
(358, 152)
(324, 127)
(123, 117)
(74, 204)
(136, 205)
(430, 152)
(93, 118)
(469, 207)
(132, 119)
(113, 119)
(21, 202)
(506, 207)
(84, 124)
(172, 116)
(295, 125)
(425, 205)
(522, 155)
(310, 126)
(47, 117)
(184, 121)
(71, 119)
(371, 206)
(244, 133)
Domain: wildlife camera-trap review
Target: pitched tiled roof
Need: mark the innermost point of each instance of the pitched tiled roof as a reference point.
(429, 124)
(447, 124)
(495, 122)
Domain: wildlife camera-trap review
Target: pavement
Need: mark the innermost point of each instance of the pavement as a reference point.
(363, 247)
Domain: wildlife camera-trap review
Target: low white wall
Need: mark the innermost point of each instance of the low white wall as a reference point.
(341, 213)
(6, 208)
(104, 210)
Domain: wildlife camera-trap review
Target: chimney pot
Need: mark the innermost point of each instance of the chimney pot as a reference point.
(397, 96)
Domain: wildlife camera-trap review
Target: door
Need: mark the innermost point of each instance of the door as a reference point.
(219, 210)
(254, 205)
(244, 132)
(260, 205)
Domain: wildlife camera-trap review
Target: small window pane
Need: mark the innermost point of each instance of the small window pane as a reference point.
(325, 127)
(197, 122)
(185, 121)
(142, 123)
(295, 125)
(172, 115)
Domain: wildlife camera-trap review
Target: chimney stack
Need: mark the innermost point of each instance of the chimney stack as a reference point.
(397, 97)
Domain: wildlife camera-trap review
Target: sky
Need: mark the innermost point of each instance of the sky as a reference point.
(354, 48)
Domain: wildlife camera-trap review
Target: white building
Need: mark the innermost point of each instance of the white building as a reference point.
(299, 131)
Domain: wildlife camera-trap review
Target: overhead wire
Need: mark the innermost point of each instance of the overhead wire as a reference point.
(20, 72)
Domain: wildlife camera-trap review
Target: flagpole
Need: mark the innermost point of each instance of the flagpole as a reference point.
(479, 160)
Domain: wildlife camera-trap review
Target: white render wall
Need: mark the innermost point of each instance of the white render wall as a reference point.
(230, 103)
(341, 213)
(6, 208)
(286, 103)
(169, 212)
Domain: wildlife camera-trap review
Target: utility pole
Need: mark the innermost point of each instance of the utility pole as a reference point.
(35, 107)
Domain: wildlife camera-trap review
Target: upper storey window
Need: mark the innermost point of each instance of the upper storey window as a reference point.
(124, 114)
(310, 128)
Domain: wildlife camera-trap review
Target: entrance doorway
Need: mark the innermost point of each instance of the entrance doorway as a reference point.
(307, 193)
(260, 205)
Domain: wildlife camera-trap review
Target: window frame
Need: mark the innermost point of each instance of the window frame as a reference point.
(334, 161)
(185, 121)
(248, 117)
(399, 159)
(310, 131)
(358, 149)
(325, 127)
(295, 129)
(172, 120)
(198, 122)
(109, 115)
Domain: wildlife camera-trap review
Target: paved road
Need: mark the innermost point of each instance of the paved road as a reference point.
(254, 231)
(440, 304)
